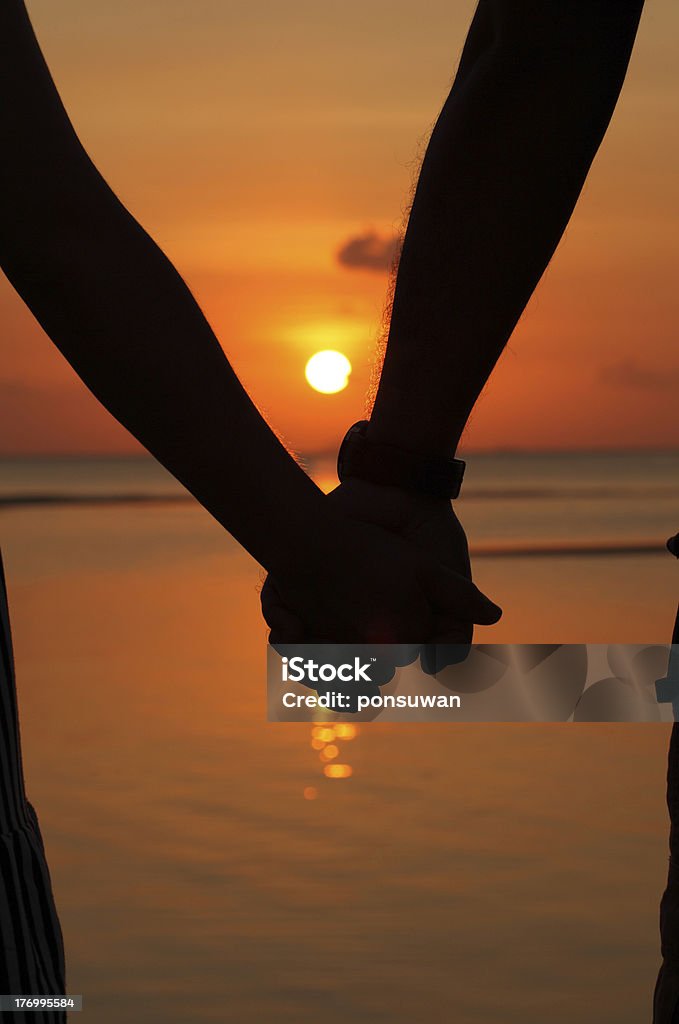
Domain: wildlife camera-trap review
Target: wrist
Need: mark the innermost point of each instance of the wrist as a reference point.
(417, 427)
(308, 542)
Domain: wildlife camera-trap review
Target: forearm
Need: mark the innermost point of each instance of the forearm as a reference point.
(135, 336)
(124, 319)
(534, 94)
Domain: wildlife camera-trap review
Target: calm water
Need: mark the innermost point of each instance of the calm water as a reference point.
(471, 873)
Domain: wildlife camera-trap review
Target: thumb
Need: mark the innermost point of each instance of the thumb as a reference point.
(285, 624)
(450, 593)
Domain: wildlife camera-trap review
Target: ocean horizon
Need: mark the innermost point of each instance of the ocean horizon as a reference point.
(598, 503)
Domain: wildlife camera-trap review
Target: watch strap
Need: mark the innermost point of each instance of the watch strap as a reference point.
(389, 465)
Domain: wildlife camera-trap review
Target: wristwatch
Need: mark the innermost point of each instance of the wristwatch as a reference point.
(396, 467)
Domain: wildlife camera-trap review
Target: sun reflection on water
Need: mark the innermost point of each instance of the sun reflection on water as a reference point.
(338, 771)
(327, 739)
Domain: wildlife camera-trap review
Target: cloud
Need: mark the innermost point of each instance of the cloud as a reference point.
(628, 373)
(369, 251)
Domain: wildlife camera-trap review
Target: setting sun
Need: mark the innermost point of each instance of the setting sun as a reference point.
(328, 372)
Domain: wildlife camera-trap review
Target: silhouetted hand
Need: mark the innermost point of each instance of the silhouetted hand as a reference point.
(432, 525)
(399, 574)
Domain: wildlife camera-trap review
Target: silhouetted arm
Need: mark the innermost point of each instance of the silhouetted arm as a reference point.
(117, 309)
(533, 96)
(535, 90)
(120, 313)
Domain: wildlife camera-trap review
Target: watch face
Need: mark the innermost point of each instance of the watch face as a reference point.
(354, 431)
(340, 458)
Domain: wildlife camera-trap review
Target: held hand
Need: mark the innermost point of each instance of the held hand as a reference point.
(430, 524)
(369, 585)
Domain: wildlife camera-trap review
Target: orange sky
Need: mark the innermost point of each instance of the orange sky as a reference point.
(254, 140)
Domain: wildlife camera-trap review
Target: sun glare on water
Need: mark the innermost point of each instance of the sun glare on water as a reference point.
(328, 372)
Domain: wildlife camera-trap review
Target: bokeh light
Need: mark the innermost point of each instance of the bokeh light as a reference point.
(338, 771)
(345, 732)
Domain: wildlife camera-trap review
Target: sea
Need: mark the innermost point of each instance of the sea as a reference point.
(205, 866)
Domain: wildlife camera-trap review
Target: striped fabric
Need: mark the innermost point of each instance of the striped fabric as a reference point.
(32, 960)
(666, 1001)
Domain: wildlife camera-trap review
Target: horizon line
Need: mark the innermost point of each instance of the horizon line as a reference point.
(330, 453)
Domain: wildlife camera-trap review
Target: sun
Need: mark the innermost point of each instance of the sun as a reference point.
(328, 371)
